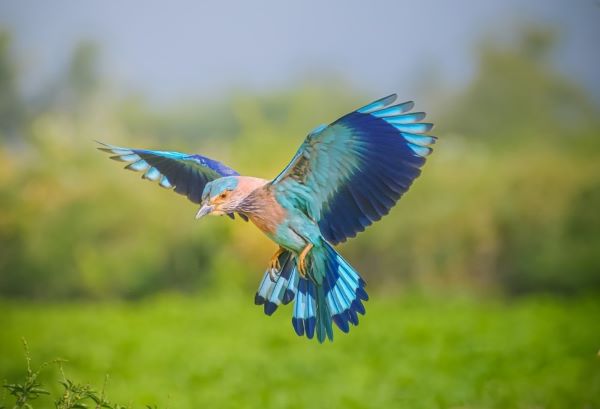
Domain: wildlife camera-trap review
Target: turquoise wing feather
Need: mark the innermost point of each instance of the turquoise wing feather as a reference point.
(349, 174)
(186, 174)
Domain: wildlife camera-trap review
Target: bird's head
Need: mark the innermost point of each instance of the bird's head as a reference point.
(220, 197)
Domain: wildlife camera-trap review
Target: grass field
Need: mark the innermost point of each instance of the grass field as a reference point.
(407, 353)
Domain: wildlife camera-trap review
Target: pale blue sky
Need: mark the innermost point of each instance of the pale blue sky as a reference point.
(175, 49)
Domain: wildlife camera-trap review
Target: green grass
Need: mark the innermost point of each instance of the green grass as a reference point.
(224, 353)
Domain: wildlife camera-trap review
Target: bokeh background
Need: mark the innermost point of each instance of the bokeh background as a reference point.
(484, 279)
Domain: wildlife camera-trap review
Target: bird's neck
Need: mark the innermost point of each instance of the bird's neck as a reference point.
(245, 193)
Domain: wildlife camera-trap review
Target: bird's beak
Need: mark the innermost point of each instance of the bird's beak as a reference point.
(204, 210)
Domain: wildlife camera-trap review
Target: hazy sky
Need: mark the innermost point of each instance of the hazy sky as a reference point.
(174, 49)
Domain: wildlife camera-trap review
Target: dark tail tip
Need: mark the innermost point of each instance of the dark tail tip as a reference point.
(270, 307)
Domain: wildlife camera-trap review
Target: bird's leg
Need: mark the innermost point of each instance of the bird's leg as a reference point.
(274, 265)
(302, 260)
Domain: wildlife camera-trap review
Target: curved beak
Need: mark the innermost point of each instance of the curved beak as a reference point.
(204, 210)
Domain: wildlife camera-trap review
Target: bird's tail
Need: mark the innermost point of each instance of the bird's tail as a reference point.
(333, 291)
(272, 293)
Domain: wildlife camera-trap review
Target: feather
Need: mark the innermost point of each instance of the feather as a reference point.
(164, 182)
(421, 140)
(152, 174)
(138, 166)
(380, 103)
(420, 127)
(394, 110)
(406, 118)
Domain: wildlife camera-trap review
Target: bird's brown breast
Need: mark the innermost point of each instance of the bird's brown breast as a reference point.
(263, 209)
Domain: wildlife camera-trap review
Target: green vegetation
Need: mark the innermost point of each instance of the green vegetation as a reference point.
(222, 352)
(73, 395)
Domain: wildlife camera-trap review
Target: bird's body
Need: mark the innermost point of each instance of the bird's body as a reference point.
(344, 177)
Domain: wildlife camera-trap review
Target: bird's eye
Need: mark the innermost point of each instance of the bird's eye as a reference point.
(223, 195)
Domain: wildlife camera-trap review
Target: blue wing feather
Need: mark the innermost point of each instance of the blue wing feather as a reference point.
(351, 173)
(186, 174)
(377, 105)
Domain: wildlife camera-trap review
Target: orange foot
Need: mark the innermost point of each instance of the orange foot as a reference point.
(302, 260)
(274, 265)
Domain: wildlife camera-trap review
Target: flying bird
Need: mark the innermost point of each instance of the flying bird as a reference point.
(345, 176)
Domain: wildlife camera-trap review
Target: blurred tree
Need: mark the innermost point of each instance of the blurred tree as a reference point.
(83, 77)
(516, 91)
(76, 87)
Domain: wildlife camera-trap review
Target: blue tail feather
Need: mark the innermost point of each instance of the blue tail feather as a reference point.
(281, 291)
(338, 294)
(306, 306)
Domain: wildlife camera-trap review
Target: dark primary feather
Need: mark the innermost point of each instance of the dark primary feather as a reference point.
(186, 174)
(349, 174)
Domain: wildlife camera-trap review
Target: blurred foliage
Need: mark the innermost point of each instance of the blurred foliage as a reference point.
(507, 203)
(11, 106)
(516, 96)
(83, 73)
(220, 352)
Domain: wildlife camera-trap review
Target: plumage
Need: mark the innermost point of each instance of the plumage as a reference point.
(369, 161)
(272, 293)
(344, 177)
(188, 174)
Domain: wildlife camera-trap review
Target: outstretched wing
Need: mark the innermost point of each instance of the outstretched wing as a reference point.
(349, 174)
(187, 174)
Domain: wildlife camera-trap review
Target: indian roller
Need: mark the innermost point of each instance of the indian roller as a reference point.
(345, 176)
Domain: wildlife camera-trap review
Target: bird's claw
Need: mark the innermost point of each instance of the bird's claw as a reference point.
(302, 268)
(275, 266)
(274, 270)
(302, 261)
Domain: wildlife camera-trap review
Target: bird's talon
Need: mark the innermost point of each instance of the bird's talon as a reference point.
(301, 268)
(274, 265)
(302, 261)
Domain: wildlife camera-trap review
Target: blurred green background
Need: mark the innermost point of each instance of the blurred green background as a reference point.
(484, 279)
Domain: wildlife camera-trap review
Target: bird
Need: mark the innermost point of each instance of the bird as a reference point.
(344, 177)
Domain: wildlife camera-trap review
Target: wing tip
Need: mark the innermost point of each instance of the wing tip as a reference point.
(106, 147)
(378, 104)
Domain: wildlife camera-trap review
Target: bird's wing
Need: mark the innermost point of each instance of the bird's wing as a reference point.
(187, 174)
(350, 173)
